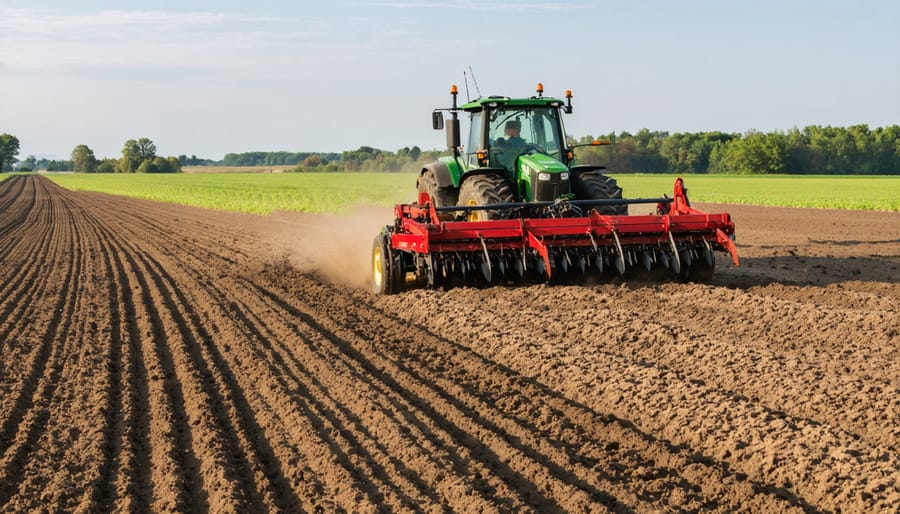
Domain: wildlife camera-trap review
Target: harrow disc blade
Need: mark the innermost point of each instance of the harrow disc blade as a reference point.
(519, 267)
(485, 267)
(540, 267)
(645, 260)
(620, 264)
(664, 259)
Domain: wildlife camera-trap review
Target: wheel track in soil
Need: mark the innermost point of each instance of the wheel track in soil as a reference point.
(215, 382)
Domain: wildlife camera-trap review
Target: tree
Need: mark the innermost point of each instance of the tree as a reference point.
(135, 153)
(756, 152)
(60, 166)
(162, 165)
(131, 157)
(174, 165)
(9, 149)
(147, 167)
(84, 160)
(146, 149)
(313, 161)
(30, 163)
(107, 165)
(414, 153)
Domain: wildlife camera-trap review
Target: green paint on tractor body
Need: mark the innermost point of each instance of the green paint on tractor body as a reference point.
(522, 138)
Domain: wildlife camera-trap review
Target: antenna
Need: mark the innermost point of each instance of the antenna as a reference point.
(466, 82)
(474, 81)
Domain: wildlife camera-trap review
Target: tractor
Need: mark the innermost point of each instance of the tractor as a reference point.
(512, 205)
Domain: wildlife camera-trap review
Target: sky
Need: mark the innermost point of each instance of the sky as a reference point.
(210, 77)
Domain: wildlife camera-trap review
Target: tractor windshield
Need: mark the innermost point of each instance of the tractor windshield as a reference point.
(517, 130)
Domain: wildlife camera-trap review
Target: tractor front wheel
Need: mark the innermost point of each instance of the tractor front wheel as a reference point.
(488, 189)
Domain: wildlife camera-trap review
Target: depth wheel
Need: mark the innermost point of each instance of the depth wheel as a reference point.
(387, 267)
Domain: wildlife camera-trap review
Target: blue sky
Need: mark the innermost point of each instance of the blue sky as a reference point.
(211, 77)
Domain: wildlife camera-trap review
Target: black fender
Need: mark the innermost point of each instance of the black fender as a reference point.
(485, 171)
(441, 173)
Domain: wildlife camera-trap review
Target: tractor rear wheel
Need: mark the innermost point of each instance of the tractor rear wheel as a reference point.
(440, 196)
(488, 189)
(593, 185)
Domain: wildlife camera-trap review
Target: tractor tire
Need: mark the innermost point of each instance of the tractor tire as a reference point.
(388, 275)
(593, 185)
(488, 189)
(440, 196)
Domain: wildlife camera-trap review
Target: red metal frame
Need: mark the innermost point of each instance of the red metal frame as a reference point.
(421, 231)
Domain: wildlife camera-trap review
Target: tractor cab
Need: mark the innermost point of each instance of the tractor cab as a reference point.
(508, 205)
(502, 130)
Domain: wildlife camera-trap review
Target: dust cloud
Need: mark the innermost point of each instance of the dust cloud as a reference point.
(335, 247)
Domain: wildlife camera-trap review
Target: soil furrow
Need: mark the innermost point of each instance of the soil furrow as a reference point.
(32, 410)
(25, 276)
(73, 446)
(177, 480)
(216, 392)
(654, 453)
(682, 346)
(746, 429)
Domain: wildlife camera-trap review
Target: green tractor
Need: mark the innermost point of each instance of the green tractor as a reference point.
(511, 206)
(516, 153)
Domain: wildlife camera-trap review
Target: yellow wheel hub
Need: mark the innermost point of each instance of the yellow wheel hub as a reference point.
(475, 215)
(378, 267)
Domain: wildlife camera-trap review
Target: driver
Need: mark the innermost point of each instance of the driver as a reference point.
(511, 145)
(513, 142)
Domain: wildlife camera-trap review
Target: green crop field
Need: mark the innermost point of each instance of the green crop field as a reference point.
(869, 192)
(335, 192)
(258, 193)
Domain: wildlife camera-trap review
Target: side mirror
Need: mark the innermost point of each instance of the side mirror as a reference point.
(437, 120)
(453, 134)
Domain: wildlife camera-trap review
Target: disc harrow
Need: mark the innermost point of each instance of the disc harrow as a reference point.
(561, 241)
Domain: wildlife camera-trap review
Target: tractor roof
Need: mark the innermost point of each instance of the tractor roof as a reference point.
(502, 101)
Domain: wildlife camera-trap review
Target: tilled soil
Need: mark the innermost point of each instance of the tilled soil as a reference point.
(158, 357)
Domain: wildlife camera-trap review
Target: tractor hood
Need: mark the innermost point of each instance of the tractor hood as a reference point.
(542, 162)
(543, 178)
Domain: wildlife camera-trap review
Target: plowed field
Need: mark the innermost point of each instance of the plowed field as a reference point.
(158, 357)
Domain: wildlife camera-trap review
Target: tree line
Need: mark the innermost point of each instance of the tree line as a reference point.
(812, 150)
(138, 156)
